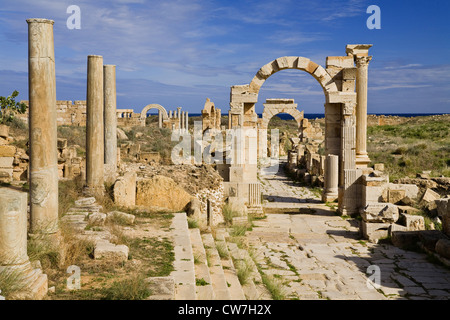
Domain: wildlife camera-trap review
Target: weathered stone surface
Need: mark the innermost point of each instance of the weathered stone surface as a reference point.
(412, 222)
(162, 192)
(380, 212)
(7, 151)
(43, 175)
(122, 217)
(85, 202)
(106, 250)
(4, 131)
(194, 208)
(430, 196)
(14, 260)
(429, 238)
(443, 209)
(443, 248)
(121, 134)
(97, 219)
(125, 190)
(162, 288)
(95, 126)
(395, 196)
(374, 231)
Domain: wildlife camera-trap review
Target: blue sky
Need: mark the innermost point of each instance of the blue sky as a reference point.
(178, 53)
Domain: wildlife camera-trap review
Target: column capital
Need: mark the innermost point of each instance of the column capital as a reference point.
(363, 61)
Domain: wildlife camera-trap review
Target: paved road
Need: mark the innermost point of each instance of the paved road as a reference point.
(318, 255)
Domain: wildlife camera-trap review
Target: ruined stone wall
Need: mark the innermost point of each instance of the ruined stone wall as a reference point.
(373, 120)
(68, 113)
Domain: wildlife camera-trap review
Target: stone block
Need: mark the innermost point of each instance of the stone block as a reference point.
(340, 62)
(6, 175)
(106, 250)
(302, 63)
(372, 194)
(374, 231)
(411, 190)
(161, 191)
(429, 238)
(162, 288)
(97, 219)
(85, 202)
(404, 239)
(349, 73)
(443, 206)
(412, 222)
(408, 210)
(6, 162)
(236, 174)
(378, 167)
(125, 190)
(430, 196)
(4, 131)
(7, 151)
(380, 212)
(120, 217)
(443, 248)
(62, 143)
(395, 196)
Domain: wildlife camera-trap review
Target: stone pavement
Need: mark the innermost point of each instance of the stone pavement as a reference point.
(317, 254)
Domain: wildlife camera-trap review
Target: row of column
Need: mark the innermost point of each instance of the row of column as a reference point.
(182, 116)
(101, 148)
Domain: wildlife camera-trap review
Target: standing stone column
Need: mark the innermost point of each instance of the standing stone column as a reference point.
(159, 119)
(362, 157)
(182, 121)
(331, 178)
(14, 262)
(43, 128)
(179, 117)
(94, 126)
(109, 85)
(186, 126)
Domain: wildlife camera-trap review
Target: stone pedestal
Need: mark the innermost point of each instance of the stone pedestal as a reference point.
(331, 178)
(43, 128)
(94, 127)
(29, 283)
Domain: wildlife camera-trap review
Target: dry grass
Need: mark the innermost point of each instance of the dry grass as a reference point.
(420, 144)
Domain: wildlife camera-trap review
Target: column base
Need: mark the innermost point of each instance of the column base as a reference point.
(329, 197)
(29, 283)
(362, 161)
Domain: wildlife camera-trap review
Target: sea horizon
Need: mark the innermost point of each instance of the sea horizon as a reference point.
(285, 116)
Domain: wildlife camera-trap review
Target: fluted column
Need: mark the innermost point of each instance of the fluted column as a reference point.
(362, 157)
(42, 128)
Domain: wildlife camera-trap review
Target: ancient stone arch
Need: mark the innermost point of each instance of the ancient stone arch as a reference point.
(272, 107)
(300, 63)
(342, 118)
(162, 114)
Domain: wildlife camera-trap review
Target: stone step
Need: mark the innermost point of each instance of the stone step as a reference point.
(218, 279)
(253, 288)
(234, 286)
(204, 292)
(184, 273)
